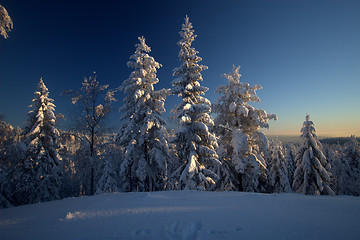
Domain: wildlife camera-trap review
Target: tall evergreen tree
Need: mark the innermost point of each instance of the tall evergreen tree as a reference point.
(341, 170)
(238, 124)
(195, 143)
(312, 176)
(279, 172)
(143, 134)
(107, 182)
(108, 178)
(41, 176)
(290, 152)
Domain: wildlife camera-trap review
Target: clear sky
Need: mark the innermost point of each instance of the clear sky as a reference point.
(305, 54)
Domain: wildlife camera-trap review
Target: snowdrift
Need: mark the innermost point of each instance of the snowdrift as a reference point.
(186, 215)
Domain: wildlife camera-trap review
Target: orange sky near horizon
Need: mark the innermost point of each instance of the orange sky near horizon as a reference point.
(336, 128)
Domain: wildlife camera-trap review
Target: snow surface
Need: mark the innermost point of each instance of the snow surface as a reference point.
(186, 215)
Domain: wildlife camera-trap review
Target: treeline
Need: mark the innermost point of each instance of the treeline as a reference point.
(75, 179)
(228, 153)
(336, 140)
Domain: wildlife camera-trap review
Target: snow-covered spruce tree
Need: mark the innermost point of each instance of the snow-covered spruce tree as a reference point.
(6, 23)
(108, 179)
(12, 154)
(11, 186)
(312, 176)
(41, 177)
(290, 152)
(278, 172)
(9, 164)
(95, 104)
(228, 178)
(143, 133)
(352, 161)
(341, 170)
(242, 144)
(195, 143)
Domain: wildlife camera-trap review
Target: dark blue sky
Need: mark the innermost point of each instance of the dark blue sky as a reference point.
(305, 54)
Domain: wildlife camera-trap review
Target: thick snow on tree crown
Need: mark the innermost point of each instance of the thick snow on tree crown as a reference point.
(308, 134)
(143, 133)
(6, 23)
(42, 111)
(312, 174)
(242, 143)
(187, 84)
(40, 131)
(310, 140)
(140, 84)
(196, 144)
(142, 60)
(233, 105)
(143, 78)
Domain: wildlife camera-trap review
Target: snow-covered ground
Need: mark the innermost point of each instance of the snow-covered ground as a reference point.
(186, 215)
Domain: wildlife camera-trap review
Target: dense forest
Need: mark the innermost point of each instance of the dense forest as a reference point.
(227, 152)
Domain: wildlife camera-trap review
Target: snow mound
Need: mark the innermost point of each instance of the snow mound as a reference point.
(186, 215)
